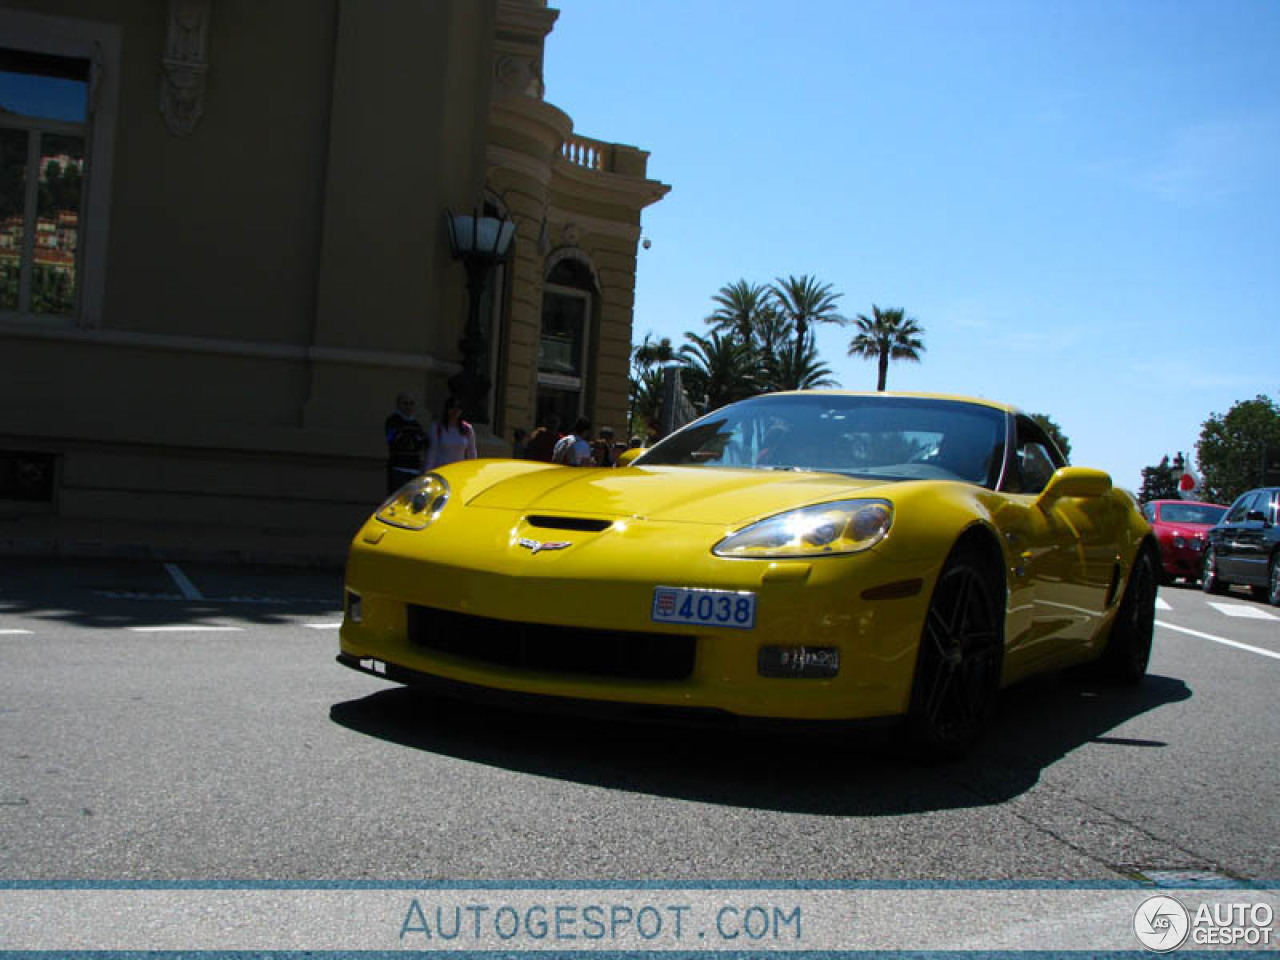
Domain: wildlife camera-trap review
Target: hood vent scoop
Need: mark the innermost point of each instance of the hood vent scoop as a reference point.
(588, 524)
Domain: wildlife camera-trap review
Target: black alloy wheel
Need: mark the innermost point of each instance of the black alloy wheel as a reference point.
(1128, 649)
(960, 658)
(1210, 582)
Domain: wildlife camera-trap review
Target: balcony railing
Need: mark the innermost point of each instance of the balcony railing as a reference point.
(585, 152)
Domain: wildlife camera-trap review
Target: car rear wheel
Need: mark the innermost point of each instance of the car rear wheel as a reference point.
(1273, 581)
(961, 654)
(1128, 649)
(1210, 582)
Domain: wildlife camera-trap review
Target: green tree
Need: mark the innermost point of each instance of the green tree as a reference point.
(886, 335)
(782, 373)
(740, 307)
(1055, 433)
(804, 302)
(1232, 447)
(1159, 482)
(644, 386)
(718, 368)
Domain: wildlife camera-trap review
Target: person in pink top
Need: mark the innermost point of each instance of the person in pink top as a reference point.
(452, 438)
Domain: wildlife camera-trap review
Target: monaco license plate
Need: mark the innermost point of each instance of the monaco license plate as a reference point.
(709, 608)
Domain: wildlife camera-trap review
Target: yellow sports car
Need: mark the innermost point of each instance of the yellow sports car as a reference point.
(804, 556)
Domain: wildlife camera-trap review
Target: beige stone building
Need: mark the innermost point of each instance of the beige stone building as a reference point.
(223, 250)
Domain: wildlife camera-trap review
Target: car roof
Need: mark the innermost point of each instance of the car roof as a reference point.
(904, 394)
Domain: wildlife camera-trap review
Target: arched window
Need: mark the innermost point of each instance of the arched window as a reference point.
(564, 347)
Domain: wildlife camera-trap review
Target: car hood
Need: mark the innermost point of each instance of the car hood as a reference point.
(673, 494)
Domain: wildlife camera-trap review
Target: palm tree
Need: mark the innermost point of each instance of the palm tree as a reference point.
(740, 306)
(804, 301)
(887, 335)
(719, 368)
(782, 373)
(640, 388)
(651, 353)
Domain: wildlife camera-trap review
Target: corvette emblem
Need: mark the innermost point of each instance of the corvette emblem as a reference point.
(537, 546)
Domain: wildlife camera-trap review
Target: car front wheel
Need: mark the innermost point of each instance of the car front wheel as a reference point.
(1128, 649)
(1273, 581)
(1210, 582)
(958, 665)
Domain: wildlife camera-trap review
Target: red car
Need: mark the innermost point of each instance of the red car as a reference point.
(1181, 527)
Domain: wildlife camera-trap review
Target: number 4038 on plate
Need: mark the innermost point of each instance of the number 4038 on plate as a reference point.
(711, 608)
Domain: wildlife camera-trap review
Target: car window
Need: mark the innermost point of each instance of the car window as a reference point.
(1240, 509)
(1191, 513)
(890, 438)
(1036, 459)
(1149, 511)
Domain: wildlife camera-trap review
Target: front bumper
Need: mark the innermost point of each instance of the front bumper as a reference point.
(605, 585)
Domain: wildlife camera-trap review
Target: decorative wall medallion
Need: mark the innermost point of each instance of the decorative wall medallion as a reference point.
(184, 65)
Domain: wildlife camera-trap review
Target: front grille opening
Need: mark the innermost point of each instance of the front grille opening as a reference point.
(569, 523)
(556, 649)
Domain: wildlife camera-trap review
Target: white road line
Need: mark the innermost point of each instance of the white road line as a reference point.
(1162, 604)
(323, 626)
(1230, 643)
(1240, 610)
(13, 632)
(184, 582)
(186, 628)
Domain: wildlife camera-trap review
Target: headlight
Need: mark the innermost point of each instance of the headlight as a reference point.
(415, 505)
(1179, 542)
(826, 529)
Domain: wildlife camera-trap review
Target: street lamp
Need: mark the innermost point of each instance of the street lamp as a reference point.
(481, 243)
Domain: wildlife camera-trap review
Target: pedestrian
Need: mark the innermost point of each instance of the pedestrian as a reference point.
(452, 438)
(574, 449)
(542, 442)
(407, 442)
(519, 436)
(602, 449)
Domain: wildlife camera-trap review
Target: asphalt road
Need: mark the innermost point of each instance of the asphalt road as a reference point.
(190, 723)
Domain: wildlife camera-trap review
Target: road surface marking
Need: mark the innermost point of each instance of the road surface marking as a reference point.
(1230, 643)
(185, 628)
(323, 626)
(13, 632)
(1240, 610)
(184, 582)
(1162, 604)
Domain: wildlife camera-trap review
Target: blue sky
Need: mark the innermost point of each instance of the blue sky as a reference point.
(1079, 201)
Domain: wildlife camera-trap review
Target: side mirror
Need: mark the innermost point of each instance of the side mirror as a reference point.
(627, 455)
(1074, 482)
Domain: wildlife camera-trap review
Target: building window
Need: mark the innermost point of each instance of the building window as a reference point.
(54, 165)
(563, 347)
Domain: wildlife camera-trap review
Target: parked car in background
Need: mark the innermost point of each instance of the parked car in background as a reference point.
(1244, 547)
(1182, 528)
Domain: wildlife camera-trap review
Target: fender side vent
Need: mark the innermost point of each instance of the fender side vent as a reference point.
(587, 524)
(1114, 586)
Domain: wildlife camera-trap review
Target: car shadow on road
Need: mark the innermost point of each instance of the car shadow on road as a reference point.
(825, 773)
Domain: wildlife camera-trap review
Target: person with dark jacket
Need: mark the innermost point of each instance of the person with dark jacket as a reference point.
(542, 442)
(406, 443)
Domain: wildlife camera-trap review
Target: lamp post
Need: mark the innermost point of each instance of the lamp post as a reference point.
(481, 243)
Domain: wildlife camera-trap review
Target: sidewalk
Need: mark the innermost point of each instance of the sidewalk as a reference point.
(51, 536)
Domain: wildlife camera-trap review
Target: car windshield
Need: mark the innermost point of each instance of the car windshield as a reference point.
(1191, 513)
(888, 438)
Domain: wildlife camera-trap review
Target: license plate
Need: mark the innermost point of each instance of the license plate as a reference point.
(709, 608)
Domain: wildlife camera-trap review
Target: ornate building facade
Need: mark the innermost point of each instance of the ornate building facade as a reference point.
(224, 251)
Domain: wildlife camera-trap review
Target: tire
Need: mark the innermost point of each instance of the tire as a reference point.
(1273, 581)
(957, 676)
(1210, 582)
(1128, 649)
